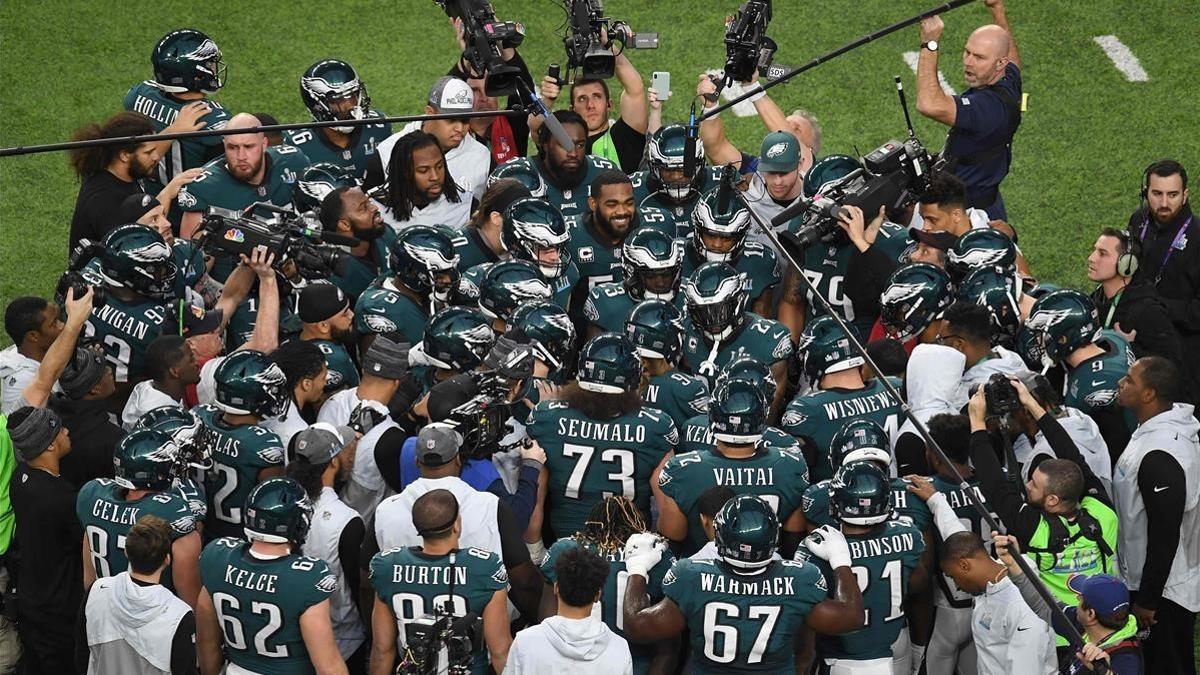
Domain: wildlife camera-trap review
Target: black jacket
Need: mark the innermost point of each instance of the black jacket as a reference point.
(93, 438)
(1140, 308)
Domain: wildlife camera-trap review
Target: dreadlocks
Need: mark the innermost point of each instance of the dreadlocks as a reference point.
(610, 523)
(401, 188)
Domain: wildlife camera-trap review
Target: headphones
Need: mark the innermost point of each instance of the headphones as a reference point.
(1127, 262)
(1159, 164)
(1146, 181)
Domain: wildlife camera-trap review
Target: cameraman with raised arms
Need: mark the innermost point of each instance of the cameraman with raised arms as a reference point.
(984, 118)
(1066, 523)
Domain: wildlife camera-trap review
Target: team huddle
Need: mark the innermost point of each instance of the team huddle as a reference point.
(526, 406)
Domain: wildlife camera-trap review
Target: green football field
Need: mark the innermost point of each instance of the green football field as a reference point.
(1086, 135)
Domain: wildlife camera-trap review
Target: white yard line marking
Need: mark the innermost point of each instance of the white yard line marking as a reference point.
(911, 59)
(1122, 58)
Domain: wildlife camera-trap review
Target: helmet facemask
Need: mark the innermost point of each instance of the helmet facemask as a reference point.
(719, 315)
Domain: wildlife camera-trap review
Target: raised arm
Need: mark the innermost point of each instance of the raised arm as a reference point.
(932, 102)
(996, 7)
(634, 108)
(712, 130)
(37, 392)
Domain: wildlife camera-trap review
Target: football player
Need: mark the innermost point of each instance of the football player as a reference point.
(1067, 331)
(743, 609)
(507, 284)
(611, 523)
(248, 172)
(977, 249)
(143, 466)
(424, 266)
(740, 460)
(420, 582)
(249, 389)
(858, 441)
(912, 303)
(534, 230)
(598, 437)
(455, 341)
(480, 241)
(995, 289)
(192, 458)
(892, 565)
(697, 434)
(969, 328)
(655, 328)
(838, 395)
(567, 175)
(187, 70)
(263, 608)
(597, 238)
(720, 328)
(652, 265)
(553, 337)
(719, 235)
(331, 90)
(664, 184)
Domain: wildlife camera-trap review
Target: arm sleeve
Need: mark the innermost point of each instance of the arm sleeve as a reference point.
(910, 455)
(944, 518)
(1113, 429)
(1156, 335)
(1064, 448)
(1163, 487)
(350, 546)
(1028, 645)
(370, 545)
(524, 500)
(183, 646)
(867, 274)
(630, 145)
(1030, 595)
(1019, 518)
(512, 542)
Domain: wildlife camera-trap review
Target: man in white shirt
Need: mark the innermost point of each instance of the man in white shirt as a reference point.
(32, 324)
(1009, 636)
(575, 640)
(171, 365)
(303, 364)
(467, 159)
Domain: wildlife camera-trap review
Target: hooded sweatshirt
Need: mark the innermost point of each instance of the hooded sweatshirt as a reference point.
(1140, 503)
(1001, 361)
(1084, 431)
(560, 645)
(131, 628)
(932, 386)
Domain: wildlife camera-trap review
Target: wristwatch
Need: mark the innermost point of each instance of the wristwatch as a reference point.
(932, 45)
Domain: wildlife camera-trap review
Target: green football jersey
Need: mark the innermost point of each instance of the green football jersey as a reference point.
(383, 309)
(360, 273)
(612, 598)
(680, 212)
(162, 108)
(343, 374)
(573, 201)
(970, 519)
(126, 329)
(472, 250)
(589, 460)
(106, 517)
(609, 305)
(259, 603)
(744, 623)
(764, 339)
(906, 507)
(599, 262)
(241, 324)
(697, 437)
(815, 417)
(363, 141)
(239, 453)
(1092, 385)
(882, 561)
(756, 261)
(779, 477)
(825, 266)
(679, 395)
(191, 491)
(893, 239)
(413, 584)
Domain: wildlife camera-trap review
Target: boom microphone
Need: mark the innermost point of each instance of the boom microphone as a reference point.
(556, 129)
(689, 144)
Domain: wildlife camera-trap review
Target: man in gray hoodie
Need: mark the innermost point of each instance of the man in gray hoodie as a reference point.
(131, 624)
(575, 640)
(1158, 501)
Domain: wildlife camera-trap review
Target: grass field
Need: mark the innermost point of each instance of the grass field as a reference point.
(1084, 139)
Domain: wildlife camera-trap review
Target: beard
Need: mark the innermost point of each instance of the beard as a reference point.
(571, 177)
(250, 173)
(369, 234)
(138, 170)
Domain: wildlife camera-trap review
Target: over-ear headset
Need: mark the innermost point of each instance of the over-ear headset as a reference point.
(1127, 262)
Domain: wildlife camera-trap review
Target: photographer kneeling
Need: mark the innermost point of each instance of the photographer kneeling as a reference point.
(1066, 523)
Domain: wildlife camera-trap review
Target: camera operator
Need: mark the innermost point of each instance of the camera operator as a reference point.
(720, 151)
(1157, 497)
(967, 327)
(1165, 228)
(622, 141)
(487, 523)
(466, 159)
(110, 173)
(349, 212)
(327, 323)
(439, 574)
(250, 172)
(984, 118)
(1067, 524)
(421, 189)
(505, 137)
(33, 324)
(574, 639)
(1127, 304)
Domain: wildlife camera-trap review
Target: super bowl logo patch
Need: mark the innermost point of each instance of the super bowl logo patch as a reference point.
(235, 235)
(289, 177)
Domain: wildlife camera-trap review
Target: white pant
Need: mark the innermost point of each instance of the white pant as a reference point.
(951, 646)
(848, 667)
